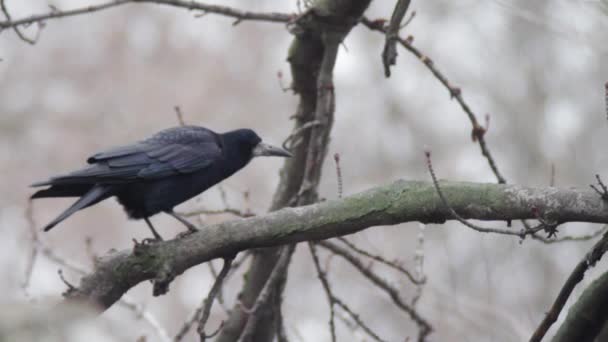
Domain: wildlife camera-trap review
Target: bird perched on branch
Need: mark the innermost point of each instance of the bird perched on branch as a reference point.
(158, 173)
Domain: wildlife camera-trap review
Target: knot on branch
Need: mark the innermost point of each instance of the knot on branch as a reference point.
(164, 277)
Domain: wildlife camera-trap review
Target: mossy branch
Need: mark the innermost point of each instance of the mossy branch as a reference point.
(401, 201)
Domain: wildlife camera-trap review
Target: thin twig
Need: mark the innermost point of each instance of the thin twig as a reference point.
(275, 275)
(330, 297)
(550, 227)
(606, 98)
(20, 34)
(338, 174)
(382, 260)
(202, 312)
(389, 54)
(594, 255)
(393, 293)
(297, 133)
(239, 15)
(455, 92)
(180, 116)
(29, 215)
(603, 190)
(419, 259)
(567, 238)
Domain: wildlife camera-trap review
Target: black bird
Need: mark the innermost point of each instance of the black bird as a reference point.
(158, 173)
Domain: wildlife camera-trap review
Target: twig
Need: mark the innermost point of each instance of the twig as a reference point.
(29, 215)
(393, 293)
(455, 93)
(208, 302)
(419, 259)
(333, 300)
(272, 280)
(606, 98)
(355, 317)
(128, 303)
(227, 208)
(338, 174)
(180, 116)
(549, 227)
(603, 191)
(330, 297)
(202, 312)
(239, 15)
(20, 34)
(594, 255)
(572, 238)
(389, 54)
(70, 286)
(383, 261)
(297, 133)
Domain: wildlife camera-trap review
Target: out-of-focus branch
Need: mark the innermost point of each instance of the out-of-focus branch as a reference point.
(389, 54)
(325, 283)
(584, 324)
(394, 265)
(39, 248)
(238, 15)
(586, 319)
(393, 293)
(202, 313)
(275, 276)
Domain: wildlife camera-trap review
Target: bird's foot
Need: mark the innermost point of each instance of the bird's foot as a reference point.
(186, 233)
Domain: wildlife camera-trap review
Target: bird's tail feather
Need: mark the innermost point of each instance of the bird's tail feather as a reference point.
(75, 190)
(96, 194)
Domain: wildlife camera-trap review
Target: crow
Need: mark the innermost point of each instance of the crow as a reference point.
(158, 173)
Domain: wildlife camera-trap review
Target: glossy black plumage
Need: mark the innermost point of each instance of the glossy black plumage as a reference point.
(156, 174)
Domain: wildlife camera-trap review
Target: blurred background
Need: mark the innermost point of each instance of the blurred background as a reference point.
(104, 79)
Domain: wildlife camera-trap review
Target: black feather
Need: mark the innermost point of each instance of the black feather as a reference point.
(155, 174)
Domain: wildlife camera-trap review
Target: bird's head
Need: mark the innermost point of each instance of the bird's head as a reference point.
(249, 140)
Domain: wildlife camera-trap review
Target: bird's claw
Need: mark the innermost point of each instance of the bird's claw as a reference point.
(186, 233)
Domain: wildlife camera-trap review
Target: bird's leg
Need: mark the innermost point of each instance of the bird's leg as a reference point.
(154, 232)
(192, 228)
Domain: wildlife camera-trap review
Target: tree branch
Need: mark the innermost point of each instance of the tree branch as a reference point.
(588, 323)
(401, 201)
(389, 54)
(237, 14)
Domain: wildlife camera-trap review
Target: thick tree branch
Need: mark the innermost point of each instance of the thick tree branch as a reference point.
(312, 55)
(580, 326)
(398, 202)
(588, 315)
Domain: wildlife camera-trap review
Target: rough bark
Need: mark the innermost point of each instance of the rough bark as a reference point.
(318, 34)
(401, 201)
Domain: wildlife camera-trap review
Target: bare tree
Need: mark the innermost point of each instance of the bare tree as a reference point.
(298, 214)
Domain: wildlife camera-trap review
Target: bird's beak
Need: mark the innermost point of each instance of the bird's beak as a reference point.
(263, 149)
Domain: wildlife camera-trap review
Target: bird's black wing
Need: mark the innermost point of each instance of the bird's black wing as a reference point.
(171, 152)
